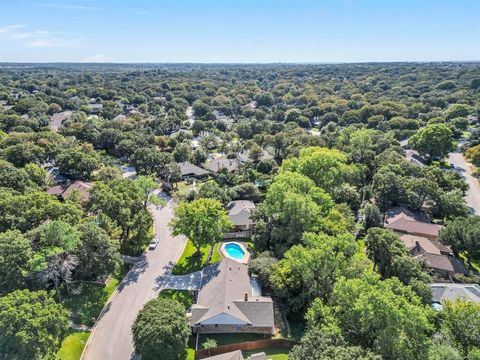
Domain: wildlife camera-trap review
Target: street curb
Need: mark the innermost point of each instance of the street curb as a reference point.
(94, 327)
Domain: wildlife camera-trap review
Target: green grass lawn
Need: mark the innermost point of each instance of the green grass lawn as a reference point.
(72, 346)
(184, 297)
(85, 306)
(273, 353)
(190, 261)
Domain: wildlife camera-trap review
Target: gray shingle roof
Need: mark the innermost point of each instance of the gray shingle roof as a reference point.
(221, 298)
(187, 168)
(239, 211)
(233, 355)
(453, 292)
(221, 163)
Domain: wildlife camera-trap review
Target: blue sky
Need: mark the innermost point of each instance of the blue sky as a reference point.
(239, 30)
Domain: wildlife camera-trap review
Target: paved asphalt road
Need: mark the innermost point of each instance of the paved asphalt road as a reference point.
(111, 338)
(472, 198)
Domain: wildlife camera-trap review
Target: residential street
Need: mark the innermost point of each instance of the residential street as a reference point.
(472, 197)
(111, 339)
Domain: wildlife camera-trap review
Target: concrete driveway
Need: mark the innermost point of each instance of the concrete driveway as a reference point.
(111, 338)
(472, 197)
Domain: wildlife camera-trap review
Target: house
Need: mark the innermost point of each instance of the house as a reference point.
(227, 302)
(95, 108)
(64, 190)
(418, 245)
(239, 212)
(232, 355)
(452, 292)
(218, 164)
(57, 119)
(445, 265)
(189, 170)
(434, 255)
(55, 175)
(404, 221)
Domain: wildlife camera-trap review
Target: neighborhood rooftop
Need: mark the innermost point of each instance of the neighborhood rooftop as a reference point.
(226, 299)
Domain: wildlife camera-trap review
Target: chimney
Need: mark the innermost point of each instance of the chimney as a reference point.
(246, 297)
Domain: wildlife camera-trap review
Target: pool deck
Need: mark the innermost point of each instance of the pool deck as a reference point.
(225, 254)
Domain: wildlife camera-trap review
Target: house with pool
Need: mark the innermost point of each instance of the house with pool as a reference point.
(229, 300)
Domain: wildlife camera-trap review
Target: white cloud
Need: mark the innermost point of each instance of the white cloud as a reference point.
(141, 12)
(10, 28)
(21, 35)
(97, 58)
(72, 7)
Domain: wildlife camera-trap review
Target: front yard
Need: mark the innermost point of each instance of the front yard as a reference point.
(72, 346)
(190, 261)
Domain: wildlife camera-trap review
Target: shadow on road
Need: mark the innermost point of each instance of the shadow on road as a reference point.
(134, 273)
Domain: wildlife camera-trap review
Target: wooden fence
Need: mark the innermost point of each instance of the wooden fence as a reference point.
(245, 346)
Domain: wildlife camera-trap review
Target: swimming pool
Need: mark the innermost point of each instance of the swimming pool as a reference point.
(234, 251)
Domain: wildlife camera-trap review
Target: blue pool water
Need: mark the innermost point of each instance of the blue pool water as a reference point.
(234, 251)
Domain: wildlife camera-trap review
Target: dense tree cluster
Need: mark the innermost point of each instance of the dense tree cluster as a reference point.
(316, 147)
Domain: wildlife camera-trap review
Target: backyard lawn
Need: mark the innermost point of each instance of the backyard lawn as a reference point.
(190, 261)
(273, 353)
(72, 346)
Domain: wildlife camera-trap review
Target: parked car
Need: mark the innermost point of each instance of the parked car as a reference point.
(153, 244)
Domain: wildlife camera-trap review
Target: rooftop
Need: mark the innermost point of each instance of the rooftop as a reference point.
(452, 292)
(225, 297)
(239, 212)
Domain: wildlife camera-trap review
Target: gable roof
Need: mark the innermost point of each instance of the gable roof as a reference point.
(419, 244)
(221, 298)
(187, 168)
(404, 224)
(64, 190)
(453, 292)
(233, 355)
(443, 263)
(239, 211)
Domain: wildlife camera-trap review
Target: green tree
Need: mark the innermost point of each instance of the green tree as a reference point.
(461, 323)
(161, 329)
(98, 255)
(382, 247)
(15, 254)
(203, 221)
(463, 235)
(123, 202)
(32, 325)
(79, 162)
(309, 272)
(385, 316)
(434, 141)
(316, 345)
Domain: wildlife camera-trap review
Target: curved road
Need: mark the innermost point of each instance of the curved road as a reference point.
(472, 197)
(111, 337)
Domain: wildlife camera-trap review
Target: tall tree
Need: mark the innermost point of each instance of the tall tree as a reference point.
(203, 221)
(434, 141)
(161, 330)
(15, 254)
(32, 325)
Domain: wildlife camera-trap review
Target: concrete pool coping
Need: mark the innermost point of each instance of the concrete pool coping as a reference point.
(225, 254)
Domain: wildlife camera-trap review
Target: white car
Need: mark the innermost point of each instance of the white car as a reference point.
(153, 244)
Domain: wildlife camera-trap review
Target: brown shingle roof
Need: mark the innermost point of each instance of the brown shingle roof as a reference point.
(418, 244)
(443, 263)
(414, 227)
